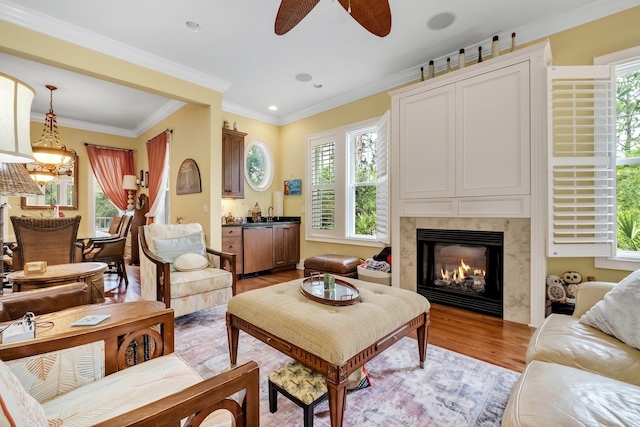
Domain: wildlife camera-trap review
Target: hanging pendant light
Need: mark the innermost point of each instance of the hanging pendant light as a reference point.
(49, 152)
(15, 111)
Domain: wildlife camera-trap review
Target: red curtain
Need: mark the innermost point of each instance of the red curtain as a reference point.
(110, 165)
(156, 151)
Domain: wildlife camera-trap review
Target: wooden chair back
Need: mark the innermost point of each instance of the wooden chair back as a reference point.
(114, 227)
(53, 240)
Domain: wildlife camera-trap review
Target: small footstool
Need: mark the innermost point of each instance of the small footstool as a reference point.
(341, 265)
(301, 385)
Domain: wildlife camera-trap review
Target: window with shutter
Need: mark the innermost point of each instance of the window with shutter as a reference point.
(582, 163)
(347, 184)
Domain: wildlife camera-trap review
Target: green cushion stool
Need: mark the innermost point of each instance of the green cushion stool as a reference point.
(301, 385)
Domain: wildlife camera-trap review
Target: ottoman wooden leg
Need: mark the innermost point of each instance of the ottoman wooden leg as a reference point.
(337, 402)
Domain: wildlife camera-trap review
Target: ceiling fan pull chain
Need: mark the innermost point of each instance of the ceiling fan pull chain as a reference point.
(349, 9)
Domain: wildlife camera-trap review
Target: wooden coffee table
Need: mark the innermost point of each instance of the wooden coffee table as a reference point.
(89, 272)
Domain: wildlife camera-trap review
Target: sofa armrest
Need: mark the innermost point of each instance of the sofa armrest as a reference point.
(227, 263)
(589, 293)
(42, 301)
(198, 401)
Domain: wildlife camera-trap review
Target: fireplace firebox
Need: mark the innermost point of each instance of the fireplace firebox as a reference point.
(462, 268)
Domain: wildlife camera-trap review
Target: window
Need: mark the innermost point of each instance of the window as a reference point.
(258, 169)
(104, 209)
(347, 185)
(609, 189)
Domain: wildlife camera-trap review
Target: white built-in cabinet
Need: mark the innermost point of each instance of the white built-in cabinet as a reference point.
(467, 138)
(472, 143)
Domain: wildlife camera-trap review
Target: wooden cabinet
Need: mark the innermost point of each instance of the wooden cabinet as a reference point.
(257, 244)
(233, 164)
(467, 138)
(232, 242)
(286, 246)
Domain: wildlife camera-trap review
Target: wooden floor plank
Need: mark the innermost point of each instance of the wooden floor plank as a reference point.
(479, 336)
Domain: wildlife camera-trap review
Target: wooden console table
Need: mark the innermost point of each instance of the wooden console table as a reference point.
(90, 272)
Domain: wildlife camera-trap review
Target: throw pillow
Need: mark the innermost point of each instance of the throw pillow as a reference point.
(18, 407)
(168, 248)
(190, 262)
(617, 313)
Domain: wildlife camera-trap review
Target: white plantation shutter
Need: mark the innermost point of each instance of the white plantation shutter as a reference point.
(323, 191)
(582, 161)
(382, 188)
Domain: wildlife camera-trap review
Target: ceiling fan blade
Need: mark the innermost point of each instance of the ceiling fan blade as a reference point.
(373, 15)
(291, 13)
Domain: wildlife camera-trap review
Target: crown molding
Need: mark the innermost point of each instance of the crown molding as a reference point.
(53, 27)
(160, 114)
(231, 107)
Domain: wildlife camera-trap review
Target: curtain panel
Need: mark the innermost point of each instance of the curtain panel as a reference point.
(156, 153)
(110, 165)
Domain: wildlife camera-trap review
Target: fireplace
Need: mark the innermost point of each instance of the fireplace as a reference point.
(462, 268)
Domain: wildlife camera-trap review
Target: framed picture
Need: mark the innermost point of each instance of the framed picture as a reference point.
(293, 187)
(188, 178)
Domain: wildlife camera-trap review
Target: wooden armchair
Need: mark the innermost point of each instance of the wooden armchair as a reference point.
(53, 240)
(188, 290)
(157, 390)
(111, 251)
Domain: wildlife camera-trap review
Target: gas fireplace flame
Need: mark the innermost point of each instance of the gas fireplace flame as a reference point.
(459, 273)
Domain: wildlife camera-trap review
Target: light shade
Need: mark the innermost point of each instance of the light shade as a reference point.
(15, 113)
(15, 181)
(129, 182)
(42, 176)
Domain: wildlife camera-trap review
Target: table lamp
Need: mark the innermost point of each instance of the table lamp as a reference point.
(129, 183)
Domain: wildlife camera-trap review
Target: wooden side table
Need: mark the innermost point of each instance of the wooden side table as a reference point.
(91, 273)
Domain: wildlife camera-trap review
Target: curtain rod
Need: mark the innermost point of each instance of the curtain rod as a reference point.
(86, 144)
(164, 131)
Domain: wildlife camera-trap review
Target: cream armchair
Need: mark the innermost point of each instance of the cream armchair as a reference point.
(178, 269)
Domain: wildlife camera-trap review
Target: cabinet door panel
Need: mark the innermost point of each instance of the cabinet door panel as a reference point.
(258, 249)
(492, 139)
(427, 144)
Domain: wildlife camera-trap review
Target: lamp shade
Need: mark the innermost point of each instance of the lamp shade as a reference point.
(129, 182)
(15, 181)
(15, 117)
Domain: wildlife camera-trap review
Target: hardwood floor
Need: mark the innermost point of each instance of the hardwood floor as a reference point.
(482, 337)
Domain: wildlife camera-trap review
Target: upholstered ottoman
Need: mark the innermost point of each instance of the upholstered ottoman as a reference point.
(301, 385)
(341, 265)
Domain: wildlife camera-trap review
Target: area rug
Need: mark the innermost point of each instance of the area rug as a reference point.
(451, 390)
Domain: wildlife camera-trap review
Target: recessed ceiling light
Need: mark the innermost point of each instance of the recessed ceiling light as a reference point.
(303, 77)
(192, 26)
(317, 85)
(273, 108)
(441, 21)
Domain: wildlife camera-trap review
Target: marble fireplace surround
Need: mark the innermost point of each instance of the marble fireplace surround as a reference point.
(517, 256)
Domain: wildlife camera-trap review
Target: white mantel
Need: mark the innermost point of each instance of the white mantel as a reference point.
(452, 191)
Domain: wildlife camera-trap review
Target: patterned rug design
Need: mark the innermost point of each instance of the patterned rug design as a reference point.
(452, 389)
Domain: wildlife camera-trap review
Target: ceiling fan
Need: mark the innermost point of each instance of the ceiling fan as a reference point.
(373, 15)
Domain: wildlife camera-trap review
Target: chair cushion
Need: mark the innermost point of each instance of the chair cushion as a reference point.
(45, 376)
(17, 406)
(190, 262)
(101, 400)
(168, 248)
(548, 394)
(562, 339)
(185, 283)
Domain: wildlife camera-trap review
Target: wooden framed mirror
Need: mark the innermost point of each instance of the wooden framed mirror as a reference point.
(62, 191)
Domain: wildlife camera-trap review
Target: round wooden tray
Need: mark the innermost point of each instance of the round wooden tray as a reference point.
(343, 294)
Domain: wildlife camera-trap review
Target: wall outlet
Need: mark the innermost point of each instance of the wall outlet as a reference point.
(19, 331)
(302, 209)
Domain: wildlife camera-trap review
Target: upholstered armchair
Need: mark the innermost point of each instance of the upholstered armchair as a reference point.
(178, 269)
(53, 240)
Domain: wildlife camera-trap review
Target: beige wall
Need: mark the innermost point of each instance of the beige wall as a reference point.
(197, 127)
(199, 133)
(270, 134)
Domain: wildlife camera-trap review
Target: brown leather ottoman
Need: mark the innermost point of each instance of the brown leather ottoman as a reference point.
(340, 265)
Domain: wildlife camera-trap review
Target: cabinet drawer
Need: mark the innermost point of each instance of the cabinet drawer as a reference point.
(231, 231)
(232, 244)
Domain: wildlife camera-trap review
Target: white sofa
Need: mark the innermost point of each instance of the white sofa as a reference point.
(205, 286)
(577, 375)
